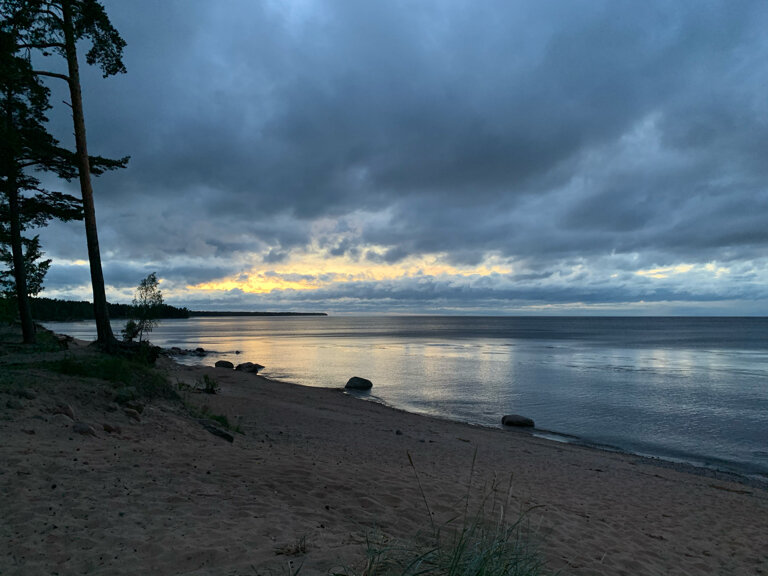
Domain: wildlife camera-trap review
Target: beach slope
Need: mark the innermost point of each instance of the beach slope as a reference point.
(311, 473)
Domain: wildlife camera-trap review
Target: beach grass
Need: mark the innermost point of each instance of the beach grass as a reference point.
(202, 410)
(467, 545)
(477, 548)
(10, 340)
(148, 381)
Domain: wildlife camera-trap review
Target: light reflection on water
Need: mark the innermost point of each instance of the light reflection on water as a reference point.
(694, 389)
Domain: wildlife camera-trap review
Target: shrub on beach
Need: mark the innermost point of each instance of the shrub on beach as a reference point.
(146, 308)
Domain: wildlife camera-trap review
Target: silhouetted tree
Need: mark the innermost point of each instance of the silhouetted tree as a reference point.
(23, 101)
(35, 269)
(25, 144)
(147, 308)
(54, 27)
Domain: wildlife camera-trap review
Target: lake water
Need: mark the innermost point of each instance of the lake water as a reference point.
(687, 389)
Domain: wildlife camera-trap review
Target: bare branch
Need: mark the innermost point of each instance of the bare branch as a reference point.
(52, 75)
(42, 45)
(23, 165)
(53, 15)
(51, 8)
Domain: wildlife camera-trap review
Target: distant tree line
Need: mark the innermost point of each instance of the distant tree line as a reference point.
(55, 310)
(219, 313)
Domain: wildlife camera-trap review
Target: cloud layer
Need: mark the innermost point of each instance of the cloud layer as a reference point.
(435, 156)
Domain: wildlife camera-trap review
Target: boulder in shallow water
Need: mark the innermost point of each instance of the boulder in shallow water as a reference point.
(224, 364)
(517, 420)
(357, 383)
(251, 367)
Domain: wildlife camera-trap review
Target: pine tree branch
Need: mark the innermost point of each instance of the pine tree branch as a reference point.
(52, 75)
(41, 45)
(56, 17)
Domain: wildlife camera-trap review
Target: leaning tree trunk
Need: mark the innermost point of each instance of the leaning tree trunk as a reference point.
(19, 271)
(103, 329)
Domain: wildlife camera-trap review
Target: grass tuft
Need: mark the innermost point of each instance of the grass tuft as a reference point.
(209, 385)
(221, 419)
(476, 547)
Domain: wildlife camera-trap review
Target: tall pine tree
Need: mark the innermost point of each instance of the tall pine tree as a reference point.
(25, 145)
(24, 142)
(54, 27)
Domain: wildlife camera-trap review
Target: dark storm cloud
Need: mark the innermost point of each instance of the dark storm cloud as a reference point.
(533, 131)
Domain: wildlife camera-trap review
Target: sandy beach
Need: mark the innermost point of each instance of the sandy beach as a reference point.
(311, 473)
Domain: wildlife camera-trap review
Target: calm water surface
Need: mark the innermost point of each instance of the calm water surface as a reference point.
(691, 389)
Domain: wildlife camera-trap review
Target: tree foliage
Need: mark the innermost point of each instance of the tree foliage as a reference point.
(147, 307)
(45, 28)
(34, 267)
(54, 28)
(25, 144)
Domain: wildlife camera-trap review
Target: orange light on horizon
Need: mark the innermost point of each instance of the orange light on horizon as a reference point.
(316, 271)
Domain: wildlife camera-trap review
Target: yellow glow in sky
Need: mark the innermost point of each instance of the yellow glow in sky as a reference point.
(718, 271)
(666, 271)
(314, 271)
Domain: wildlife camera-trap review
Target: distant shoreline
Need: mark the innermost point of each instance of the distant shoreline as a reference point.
(55, 310)
(203, 313)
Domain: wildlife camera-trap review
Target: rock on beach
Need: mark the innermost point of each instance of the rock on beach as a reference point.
(251, 367)
(517, 420)
(224, 364)
(358, 383)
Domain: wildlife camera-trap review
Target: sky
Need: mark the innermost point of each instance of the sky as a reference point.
(431, 157)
